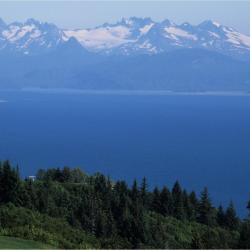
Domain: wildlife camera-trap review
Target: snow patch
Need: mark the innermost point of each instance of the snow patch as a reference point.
(11, 32)
(176, 32)
(216, 24)
(144, 30)
(15, 32)
(35, 34)
(213, 34)
(148, 46)
(238, 38)
(100, 38)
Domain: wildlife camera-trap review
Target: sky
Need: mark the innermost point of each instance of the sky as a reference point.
(91, 13)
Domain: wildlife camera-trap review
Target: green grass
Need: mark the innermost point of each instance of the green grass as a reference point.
(15, 243)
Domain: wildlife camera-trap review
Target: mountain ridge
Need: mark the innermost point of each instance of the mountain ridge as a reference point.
(132, 54)
(129, 36)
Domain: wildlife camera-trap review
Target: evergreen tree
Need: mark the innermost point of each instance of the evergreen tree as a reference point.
(66, 174)
(194, 205)
(121, 209)
(115, 215)
(144, 192)
(178, 209)
(41, 174)
(189, 210)
(58, 175)
(197, 242)
(9, 184)
(248, 207)
(135, 191)
(206, 210)
(244, 241)
(221, 216)
(165, 201)
(27, 195)
(137, 233)
(156, 200)
(231, 220)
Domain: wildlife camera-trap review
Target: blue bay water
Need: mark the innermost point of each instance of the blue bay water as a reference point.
(201, 140)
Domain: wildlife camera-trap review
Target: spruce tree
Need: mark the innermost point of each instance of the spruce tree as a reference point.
(166, 202)
(144, 192)
(206, 210)
(221, 216)
(134, 191)
(248, 207)
(137, 233)
(156, 201)
(244, 241)
(66, 174)
(194, 205)
(178, 209)
(10, 184)
(231, 219)
(188, 208)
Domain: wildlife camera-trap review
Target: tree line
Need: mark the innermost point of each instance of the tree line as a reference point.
(112, 214)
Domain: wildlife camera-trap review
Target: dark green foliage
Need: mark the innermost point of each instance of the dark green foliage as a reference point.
(9, 183)
(206, 211)
(69, 209)
(244, 241)
(166, 202)
(65, 175)
(24, 223)
(231, 219)
(194, 206)
(156, 201)
(221, 220)
(189, 209)
(248, 207)
(144, 193)
(178, 206)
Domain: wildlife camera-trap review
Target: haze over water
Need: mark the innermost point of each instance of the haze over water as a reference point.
(199, 140)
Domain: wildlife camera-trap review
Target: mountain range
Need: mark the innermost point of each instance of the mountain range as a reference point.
(134, 53)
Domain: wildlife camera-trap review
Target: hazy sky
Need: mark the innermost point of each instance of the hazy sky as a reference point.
(77, 14)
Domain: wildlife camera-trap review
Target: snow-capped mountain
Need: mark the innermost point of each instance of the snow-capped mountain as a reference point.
(144, 36)
(107, 37)
(127, 37)
(30, 37)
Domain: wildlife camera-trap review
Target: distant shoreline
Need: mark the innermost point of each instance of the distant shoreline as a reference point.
(137, 92)
(127, 92)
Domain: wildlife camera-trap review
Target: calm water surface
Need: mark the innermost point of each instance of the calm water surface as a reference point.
(199, 140)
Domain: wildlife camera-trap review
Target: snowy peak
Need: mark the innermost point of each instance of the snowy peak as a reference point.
(209, 24)
(167, 23)
(109, 36)
(30, 37)
(128, 36)
(167, 36)
(135, 22)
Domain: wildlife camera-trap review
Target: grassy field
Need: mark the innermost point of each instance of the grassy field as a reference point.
(15, 243)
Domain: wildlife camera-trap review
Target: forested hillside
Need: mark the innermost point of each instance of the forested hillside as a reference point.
(67, 208)
(188, 70)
